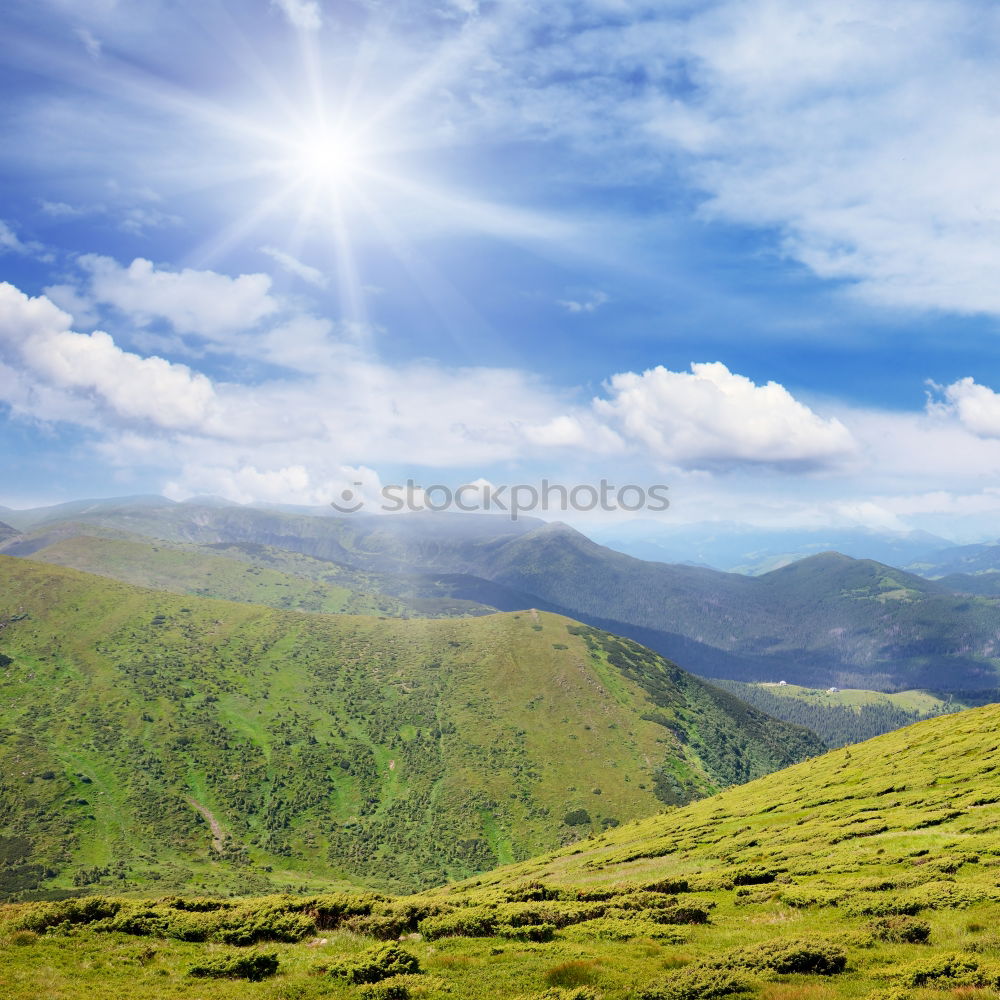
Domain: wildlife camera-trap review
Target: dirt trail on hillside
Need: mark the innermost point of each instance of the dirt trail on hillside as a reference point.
(218, 834)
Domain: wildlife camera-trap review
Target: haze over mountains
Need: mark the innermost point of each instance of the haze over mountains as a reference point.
(742, 548)
(825, 620)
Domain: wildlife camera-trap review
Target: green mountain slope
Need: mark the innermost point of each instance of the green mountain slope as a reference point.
(147, 737)
(255, 574)
(867, 872)
(852, 818)
(839, 717)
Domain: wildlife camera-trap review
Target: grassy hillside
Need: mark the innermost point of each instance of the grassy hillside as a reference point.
(838, 716)
(256, 574)
(825, 620)
(869, 872)
(148, 738)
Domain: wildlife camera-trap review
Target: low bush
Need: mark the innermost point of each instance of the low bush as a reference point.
(250, 925)
(883, 906)
(560, 993)
(946, 971)
(376, 964)
(669, 886)
(251, 967)
(468, 922)
(560, 914)
(89, 910)
(678, 915)
(695, 983)
(801, 896)
(753, 875)
(902, 930)
(388, 989)
(816, 957)
(532, 892)
(614, 929)
(527, 932)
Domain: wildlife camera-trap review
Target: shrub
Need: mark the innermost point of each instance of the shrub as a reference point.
(679, 915)
(532, 892)
(669, 886)
(695, 983)
(527, 932)
(613, 929)
(67, 911)
(884, 906)
(377, 925)
(251, 967)
(576, 817)
(469, 922)
(817, 957)
(376, 964)
(389, 989)
(558, 993)
(947, 971)
(264, 924)
(800, 897)
(560, 914)
(903, 930)
(753, 875)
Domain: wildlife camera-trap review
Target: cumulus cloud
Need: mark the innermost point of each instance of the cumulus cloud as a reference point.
(198, 302)
(151, 389)
(303, 14)
(976, 406)
(711, 417)
(349, 409)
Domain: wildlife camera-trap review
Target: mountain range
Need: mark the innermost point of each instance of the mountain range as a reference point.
(826, 620)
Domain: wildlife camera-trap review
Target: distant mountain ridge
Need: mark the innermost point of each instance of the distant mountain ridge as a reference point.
(740, 548)
(827, 619)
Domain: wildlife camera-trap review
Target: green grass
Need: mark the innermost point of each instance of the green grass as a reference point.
(871, 871)
(329, 748)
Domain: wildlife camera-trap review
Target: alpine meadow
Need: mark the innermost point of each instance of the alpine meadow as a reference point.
(499, 501)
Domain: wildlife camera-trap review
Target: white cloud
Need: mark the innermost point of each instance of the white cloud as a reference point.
(588, 304)
(89, 42)
(304, 14)
(712, 417)
(167, 395)
(196, 302)
(62, 210)
(312, 275)
(865, 132)
(9, 242)
(975, 405)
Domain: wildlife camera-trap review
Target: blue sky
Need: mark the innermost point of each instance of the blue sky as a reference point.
(270, 249)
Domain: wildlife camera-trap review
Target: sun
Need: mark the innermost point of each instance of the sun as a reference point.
(324, 158)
